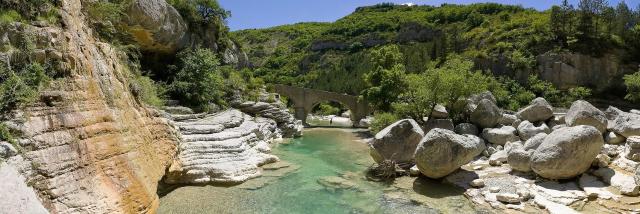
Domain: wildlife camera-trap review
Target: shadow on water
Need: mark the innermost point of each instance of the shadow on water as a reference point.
(165, 188)
(435, 188)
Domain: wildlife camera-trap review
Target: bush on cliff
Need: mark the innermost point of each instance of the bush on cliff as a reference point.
(106, 19)
(21, 86)
(41, 10)
(197, 80)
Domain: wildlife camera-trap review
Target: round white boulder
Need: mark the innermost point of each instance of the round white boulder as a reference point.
(567, 152)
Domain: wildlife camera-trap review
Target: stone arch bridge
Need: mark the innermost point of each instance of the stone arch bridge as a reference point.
(305, 99)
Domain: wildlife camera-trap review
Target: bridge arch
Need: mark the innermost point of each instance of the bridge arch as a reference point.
(305, 99)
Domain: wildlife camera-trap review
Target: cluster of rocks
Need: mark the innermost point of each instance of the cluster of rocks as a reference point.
(228, 146)
(527, 146)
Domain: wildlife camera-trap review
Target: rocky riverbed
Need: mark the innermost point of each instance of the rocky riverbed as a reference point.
(525, 161)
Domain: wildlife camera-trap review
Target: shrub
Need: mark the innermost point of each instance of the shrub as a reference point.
(328, 109)
(514, 95)
(18, 88)
(6, 134)
(197, 81)
(544, 89)
(148, 91)
(106, 19)
(382, 120)
(632, 81)
(32, 9)
(9, 16)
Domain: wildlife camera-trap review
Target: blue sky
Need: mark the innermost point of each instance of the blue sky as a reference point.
(248, 14)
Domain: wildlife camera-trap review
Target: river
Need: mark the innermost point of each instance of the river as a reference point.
(322, 172)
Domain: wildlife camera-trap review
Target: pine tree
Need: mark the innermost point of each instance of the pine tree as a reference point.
(623, 19)
(567, 17)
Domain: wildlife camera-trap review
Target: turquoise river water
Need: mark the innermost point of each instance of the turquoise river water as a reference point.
(322, 172)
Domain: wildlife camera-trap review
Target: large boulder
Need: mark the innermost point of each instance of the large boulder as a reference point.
(567, 152)
(527, 129)
(476, 98)
(538, 110)
(486, 114)
(500, 136)
(466, 128)
(623, 123)
(442, 152)
(397, 142)
(583, 113)
(157, 25)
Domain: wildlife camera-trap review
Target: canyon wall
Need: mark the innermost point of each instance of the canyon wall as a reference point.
(89, 146)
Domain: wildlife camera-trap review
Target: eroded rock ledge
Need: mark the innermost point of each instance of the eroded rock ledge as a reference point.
(227, 147)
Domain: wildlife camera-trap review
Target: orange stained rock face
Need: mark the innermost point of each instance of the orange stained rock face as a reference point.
(97, 149)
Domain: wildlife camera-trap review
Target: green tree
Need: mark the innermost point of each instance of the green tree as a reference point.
(387, 81)
(632, 81)
(446, 84)
(197, 81)
(623, 19)
(200, 12)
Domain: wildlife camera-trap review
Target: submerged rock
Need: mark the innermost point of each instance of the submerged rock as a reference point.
(441, 152)
(538, 110)
(397, 142)
(583, 113)
(336, 183)
(567, 152)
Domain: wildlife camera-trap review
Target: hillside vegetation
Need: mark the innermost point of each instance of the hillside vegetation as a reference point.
(498, 39)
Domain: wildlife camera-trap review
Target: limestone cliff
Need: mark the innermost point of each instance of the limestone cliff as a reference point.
(159, 29)
(89, 146)
(567, 70)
